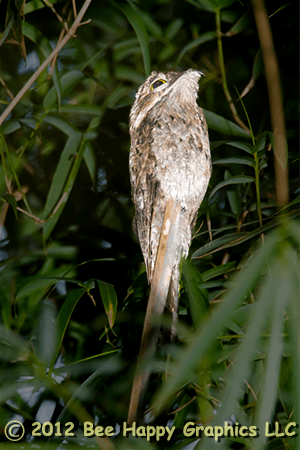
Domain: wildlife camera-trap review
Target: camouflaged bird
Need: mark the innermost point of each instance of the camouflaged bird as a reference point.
(169, 158)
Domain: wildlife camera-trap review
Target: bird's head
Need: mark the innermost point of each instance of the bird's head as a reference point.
(161, 86)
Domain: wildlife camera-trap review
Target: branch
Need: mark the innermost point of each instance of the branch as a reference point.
(223, 74)
(57, 49)
(155, 308)
(275, 100)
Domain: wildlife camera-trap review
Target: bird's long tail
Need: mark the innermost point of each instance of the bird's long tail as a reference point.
(163, 286)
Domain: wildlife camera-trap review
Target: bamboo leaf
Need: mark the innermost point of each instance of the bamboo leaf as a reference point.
(187, 363)
(63, 319)
(217, 271)
(222, 125)
(237, 179)
(50, 224)
(109, 300)
(268, 395)
(38, 38)
(34, 5)
(62, 124)
(233, 239)
(238, 160)
(67, 83)
(11, 200)
(205, 37)
(198, 301)
(63, 168)
(90, 161)
(141, 32)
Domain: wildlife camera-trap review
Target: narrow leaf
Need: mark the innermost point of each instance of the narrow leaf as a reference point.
(9, 198)
(268, 396)
(239, 160)
(198, 301)
(205, 37)
(233, 180)
(63, 319)
(90, 161)
(141, 32)
(109, 300)
(61, 173)
(50, 224)
(67, 83)
(186, 365)
(222, 125)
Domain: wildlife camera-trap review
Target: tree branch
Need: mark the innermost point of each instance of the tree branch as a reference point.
(57, 49)
(155, 308)
(275, 100)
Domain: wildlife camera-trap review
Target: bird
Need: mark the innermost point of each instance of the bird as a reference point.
(170, 168)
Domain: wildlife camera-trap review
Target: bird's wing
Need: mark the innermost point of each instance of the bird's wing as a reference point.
(145, 189)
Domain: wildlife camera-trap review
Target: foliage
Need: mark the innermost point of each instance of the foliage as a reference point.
(73, 288)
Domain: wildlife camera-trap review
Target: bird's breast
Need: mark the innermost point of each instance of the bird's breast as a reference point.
(180, 147)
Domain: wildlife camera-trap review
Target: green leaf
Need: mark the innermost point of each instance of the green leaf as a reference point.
(222, 125)
(241, 24)
(237, 179)
(109, 300)
(63, 319)
(141, 32)
(40, 284)
(220, 243)
(173, 27)
(13, 342)
(242, 145)
(238, 160)
(91, 386)
(34, 5)
(9, 198)
(293, 310)
(233, 197)
(63, 168)
(261, 142)
(62, 124)
(186, 366)
(268, 396)
(231, 240)
(94, 110)
(44, 45)
(205, 37)
(7, 30)
(246, 352)
(213, 5)
(67, 83)
(50, 224)
(217, 271)
(198, 301)
(90, 161)
(10, 126)
(151, 25)
(257, 69)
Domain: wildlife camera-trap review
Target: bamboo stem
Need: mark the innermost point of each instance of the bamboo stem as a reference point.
(275, 100)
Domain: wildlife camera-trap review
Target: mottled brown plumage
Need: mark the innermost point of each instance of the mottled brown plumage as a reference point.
(170, 167)
(169, 158)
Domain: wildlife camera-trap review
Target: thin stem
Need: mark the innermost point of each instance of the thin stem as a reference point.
(43, 66)
(223, 74)
(275, 100)
(256, 168)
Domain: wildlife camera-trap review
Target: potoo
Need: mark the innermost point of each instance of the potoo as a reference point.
(170, 167)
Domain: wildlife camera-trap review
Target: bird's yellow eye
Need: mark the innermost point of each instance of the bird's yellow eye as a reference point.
(157, 83)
